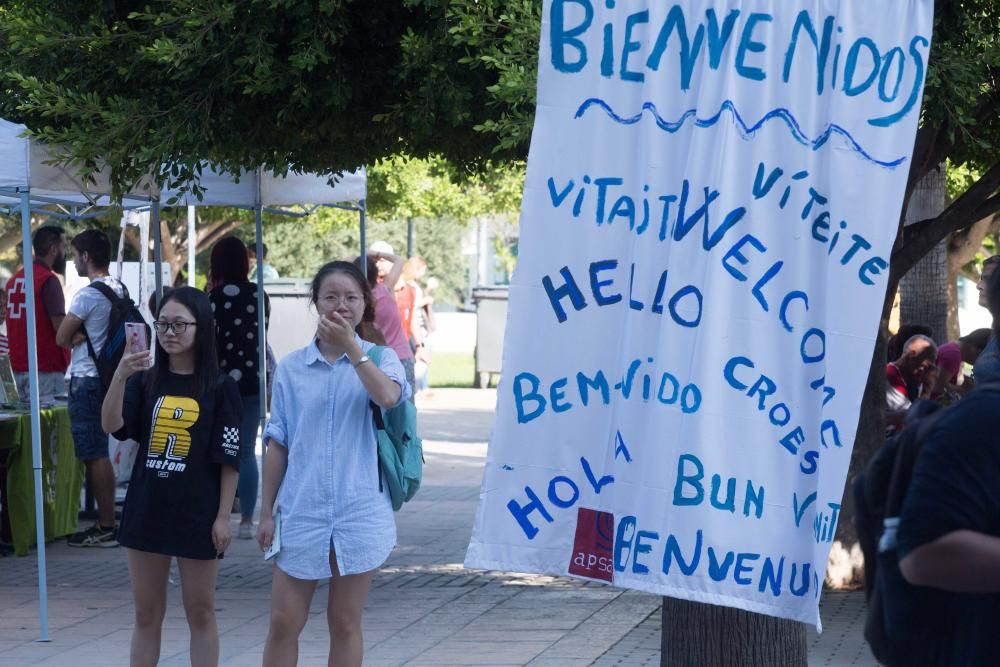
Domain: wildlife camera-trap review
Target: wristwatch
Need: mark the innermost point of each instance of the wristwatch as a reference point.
(363, 360)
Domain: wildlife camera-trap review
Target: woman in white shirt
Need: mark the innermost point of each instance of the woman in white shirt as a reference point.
(336, 514)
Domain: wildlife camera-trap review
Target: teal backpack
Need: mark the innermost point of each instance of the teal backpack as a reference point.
(400, 451)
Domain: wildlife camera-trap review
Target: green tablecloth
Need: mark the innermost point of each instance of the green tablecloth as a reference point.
(62, 477)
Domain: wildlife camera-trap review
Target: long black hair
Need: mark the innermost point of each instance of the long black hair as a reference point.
(355, 274)
(206, 362)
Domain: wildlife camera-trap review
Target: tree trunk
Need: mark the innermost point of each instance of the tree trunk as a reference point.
(962, 249)
(923, 291)
(698, 634)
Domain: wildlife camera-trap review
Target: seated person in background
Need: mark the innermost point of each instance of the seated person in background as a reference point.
(894, 346)
(950, 358)
(905, 377)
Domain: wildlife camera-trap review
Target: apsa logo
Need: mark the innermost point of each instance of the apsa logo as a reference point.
(593, 544)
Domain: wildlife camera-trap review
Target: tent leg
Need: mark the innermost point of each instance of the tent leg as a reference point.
(409, 238)
(154, 222)
(261, 328)
(36, 421)
(192, 245)
(364, 240)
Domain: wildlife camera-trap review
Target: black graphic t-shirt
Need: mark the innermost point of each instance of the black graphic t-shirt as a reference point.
(173, 496)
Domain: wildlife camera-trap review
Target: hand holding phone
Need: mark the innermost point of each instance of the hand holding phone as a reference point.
(136, 337)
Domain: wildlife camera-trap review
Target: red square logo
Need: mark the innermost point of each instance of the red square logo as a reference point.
(593, 545)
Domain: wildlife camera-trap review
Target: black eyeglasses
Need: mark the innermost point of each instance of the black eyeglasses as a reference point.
(177, 327)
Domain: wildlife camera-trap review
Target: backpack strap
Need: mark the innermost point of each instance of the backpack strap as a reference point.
(375, 354)
(108, 294)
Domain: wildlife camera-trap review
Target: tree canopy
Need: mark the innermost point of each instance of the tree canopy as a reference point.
(315, 85)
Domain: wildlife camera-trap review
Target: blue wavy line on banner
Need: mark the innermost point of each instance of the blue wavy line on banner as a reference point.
(782, 114)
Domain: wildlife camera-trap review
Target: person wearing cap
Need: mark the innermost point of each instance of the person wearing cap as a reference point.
(384, 269)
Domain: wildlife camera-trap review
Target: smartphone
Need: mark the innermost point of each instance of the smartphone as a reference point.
(137, 338)
(275, 547)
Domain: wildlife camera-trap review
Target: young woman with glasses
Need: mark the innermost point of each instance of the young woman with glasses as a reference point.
(321, 471)
(185, 416)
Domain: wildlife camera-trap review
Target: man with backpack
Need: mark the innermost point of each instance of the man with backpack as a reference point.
(85, 330)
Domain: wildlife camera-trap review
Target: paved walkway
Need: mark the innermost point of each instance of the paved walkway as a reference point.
(424, 609)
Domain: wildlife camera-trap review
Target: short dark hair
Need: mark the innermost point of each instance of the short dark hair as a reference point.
(253, 248)
(355, 274)
(229, 263)
(96, 244)
(46, 237)
(977, 339)
(206, 361)
(894, 347)
(990, 261)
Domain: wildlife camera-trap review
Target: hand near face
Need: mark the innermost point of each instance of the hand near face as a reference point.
(335, 330)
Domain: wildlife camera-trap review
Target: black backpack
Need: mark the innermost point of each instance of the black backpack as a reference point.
(123, 310)
(879, 493)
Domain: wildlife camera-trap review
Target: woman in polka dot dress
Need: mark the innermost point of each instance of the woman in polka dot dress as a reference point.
(234, 302)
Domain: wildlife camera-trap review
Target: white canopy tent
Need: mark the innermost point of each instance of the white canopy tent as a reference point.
(28, 182)
(29, 185)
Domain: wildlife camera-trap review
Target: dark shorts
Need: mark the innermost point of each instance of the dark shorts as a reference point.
(89, 441)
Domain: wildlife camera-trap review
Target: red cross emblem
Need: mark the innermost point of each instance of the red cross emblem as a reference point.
(16, 300)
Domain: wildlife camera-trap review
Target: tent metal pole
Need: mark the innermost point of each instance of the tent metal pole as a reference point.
(261, 320)
(192, 244)
(409, 238)
(36, 420)
(364, 240)
(154, 222)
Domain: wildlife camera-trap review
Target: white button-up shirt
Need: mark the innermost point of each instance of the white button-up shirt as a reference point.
(330, 498)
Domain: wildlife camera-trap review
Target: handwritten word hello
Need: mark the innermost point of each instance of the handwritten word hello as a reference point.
(630, 51)
(662, 387)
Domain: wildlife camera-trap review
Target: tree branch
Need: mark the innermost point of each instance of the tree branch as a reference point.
(216, 232)
(978, 202)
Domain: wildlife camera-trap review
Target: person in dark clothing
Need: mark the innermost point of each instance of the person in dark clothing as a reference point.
(234, 304)
(185, 416)
(948, 541)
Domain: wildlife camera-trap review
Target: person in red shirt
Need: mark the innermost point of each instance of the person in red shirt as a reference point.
(49, 246)
(905, 378)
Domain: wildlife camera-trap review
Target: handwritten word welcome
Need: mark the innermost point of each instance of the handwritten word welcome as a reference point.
(861, 67)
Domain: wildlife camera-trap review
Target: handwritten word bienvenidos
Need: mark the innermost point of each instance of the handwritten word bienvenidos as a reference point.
(858, 68)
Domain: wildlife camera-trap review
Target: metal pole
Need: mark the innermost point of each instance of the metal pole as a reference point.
(154, 222)
(364, 241)
(192, 244)
(36, 420)
(409, 237)
(261, 329)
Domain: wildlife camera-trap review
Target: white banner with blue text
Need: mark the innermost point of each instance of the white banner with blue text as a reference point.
(712, 193)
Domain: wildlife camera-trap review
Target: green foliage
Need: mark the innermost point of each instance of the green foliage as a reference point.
(959, 177)
(276, 83)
